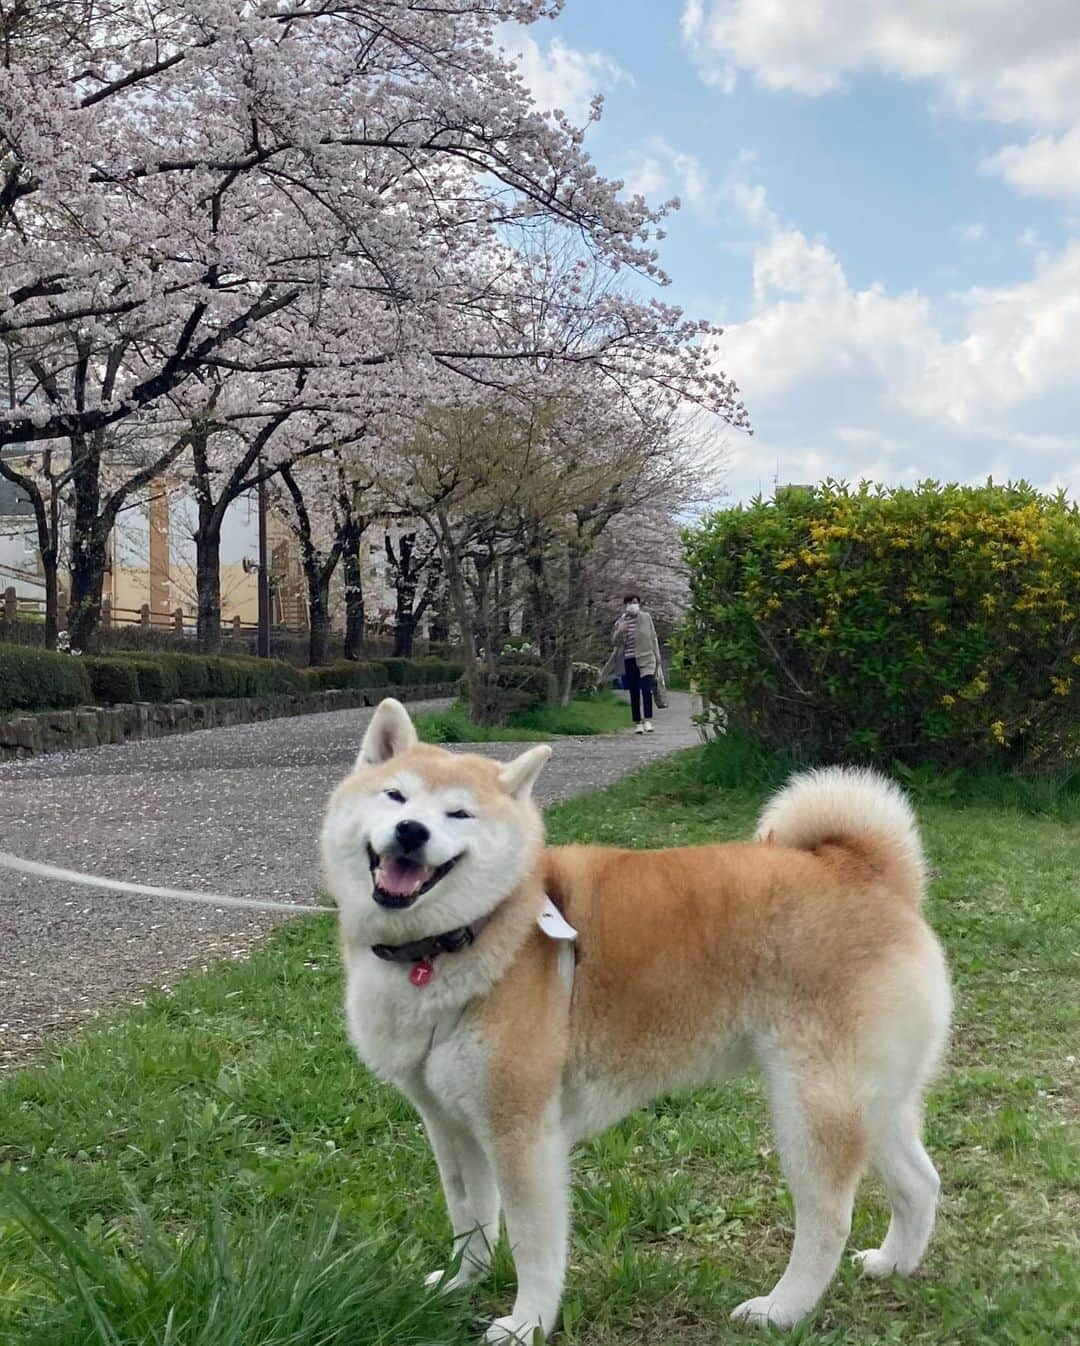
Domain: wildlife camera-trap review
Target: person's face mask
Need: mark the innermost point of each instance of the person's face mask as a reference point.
(633, 609)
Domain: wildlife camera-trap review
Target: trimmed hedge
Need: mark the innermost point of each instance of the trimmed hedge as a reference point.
(393, 672)
(112, 680)
(33, 679)
(934, 624)
(346, 673)
(166, 676)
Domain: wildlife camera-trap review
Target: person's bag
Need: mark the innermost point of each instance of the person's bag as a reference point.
(660, 694)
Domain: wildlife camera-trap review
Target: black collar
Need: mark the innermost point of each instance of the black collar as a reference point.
(420, 950)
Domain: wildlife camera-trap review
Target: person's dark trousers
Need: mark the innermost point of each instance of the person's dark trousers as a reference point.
(640, 686)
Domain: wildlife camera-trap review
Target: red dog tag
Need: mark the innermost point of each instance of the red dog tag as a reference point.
(420, 974)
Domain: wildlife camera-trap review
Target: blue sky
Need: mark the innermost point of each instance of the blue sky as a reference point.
(881, 204)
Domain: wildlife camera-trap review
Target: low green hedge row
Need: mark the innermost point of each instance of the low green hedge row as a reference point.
(32, 679)
(163, 676)
(380, 673)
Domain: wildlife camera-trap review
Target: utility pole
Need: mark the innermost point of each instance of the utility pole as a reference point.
(264, 572)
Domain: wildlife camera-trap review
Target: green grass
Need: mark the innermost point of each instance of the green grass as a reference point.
(601, 713)
(215, 1169)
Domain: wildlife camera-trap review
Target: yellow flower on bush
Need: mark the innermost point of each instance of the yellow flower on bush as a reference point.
(948, 700)
(998, 731)
(1061, 686)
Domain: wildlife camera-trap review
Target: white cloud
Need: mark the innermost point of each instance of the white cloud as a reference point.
(1010, 63)
(559, 76)
(850, 382)
(659, 169)
(970, 233)
(1043, 166)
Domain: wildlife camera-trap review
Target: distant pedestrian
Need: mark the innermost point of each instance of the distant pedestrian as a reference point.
(635, 657)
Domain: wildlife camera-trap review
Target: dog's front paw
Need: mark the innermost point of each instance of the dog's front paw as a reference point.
(514, 1332)
(873, 1262)
(767, 1311)
(461, 1280)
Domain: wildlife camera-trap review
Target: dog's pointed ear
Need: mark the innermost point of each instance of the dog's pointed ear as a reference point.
(389, 733)
(517, 777)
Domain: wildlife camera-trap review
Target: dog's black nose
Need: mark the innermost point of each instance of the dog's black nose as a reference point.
(411, 835)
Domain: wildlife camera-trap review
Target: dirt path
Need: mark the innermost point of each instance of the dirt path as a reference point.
(227, 810)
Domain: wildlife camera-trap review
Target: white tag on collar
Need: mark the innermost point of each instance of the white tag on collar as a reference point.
(553, 925)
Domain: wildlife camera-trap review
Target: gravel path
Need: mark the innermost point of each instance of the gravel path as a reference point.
(227, 810)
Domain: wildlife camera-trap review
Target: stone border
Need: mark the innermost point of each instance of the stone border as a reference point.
(32, 734)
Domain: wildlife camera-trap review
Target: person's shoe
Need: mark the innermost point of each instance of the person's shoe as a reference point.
(639, 728)
(648, 726)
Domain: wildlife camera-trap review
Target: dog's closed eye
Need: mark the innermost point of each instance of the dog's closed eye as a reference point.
(395, 795)
(460, 813)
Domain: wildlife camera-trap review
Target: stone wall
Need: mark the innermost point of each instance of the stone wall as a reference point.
(29, 734)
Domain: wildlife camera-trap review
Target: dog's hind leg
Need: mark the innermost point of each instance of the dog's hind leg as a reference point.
(824, 1148)
(472, 1196)
(912, 1184)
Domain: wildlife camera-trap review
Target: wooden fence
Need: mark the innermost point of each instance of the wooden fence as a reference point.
(22, 621)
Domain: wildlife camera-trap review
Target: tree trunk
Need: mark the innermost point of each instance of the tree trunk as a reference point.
(49, 551)
(404, 632)
(208, 584)
(569, 637)
(404, 620)
(89, 542)
(506, 595)
(51, 569)
(459, 602)
(541, 600)
(88, 557)
(318, 571)
(354, 591)
(319, 610)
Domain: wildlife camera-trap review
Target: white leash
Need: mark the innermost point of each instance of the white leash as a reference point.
(40, 871)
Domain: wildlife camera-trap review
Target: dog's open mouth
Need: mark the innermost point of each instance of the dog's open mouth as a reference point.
(399, 881)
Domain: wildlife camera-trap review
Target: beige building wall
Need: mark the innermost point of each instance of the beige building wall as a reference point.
(128, 587)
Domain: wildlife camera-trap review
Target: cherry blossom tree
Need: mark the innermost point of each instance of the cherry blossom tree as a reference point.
(415, 571)
(176, 174)
(203, 205)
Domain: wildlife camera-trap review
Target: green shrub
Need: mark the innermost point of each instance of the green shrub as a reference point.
(425, 672)
(393, 672)
(151, 675)
(156, 683)
(397, 670)
(34, 679)
(585, 678)
(927, 624)
(112, 680)
(347, 673)
(509, 689)
(164, 676)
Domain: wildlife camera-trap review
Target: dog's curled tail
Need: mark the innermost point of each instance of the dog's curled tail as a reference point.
(854, 807)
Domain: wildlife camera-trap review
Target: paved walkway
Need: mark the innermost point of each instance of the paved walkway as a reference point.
(226, 810)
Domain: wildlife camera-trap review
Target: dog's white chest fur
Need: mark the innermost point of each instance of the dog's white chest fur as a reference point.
(390, 1024)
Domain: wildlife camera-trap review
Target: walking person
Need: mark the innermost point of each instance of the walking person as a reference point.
(635, 657)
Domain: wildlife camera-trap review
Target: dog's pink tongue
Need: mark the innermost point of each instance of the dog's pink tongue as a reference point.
(400, 877)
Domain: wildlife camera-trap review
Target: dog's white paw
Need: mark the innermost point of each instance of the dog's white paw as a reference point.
(873, 1262)
(765, 1311)
(513, 1332)
(461, 1280)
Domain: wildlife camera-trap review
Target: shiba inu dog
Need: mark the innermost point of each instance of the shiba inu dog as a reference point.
(802, 952)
